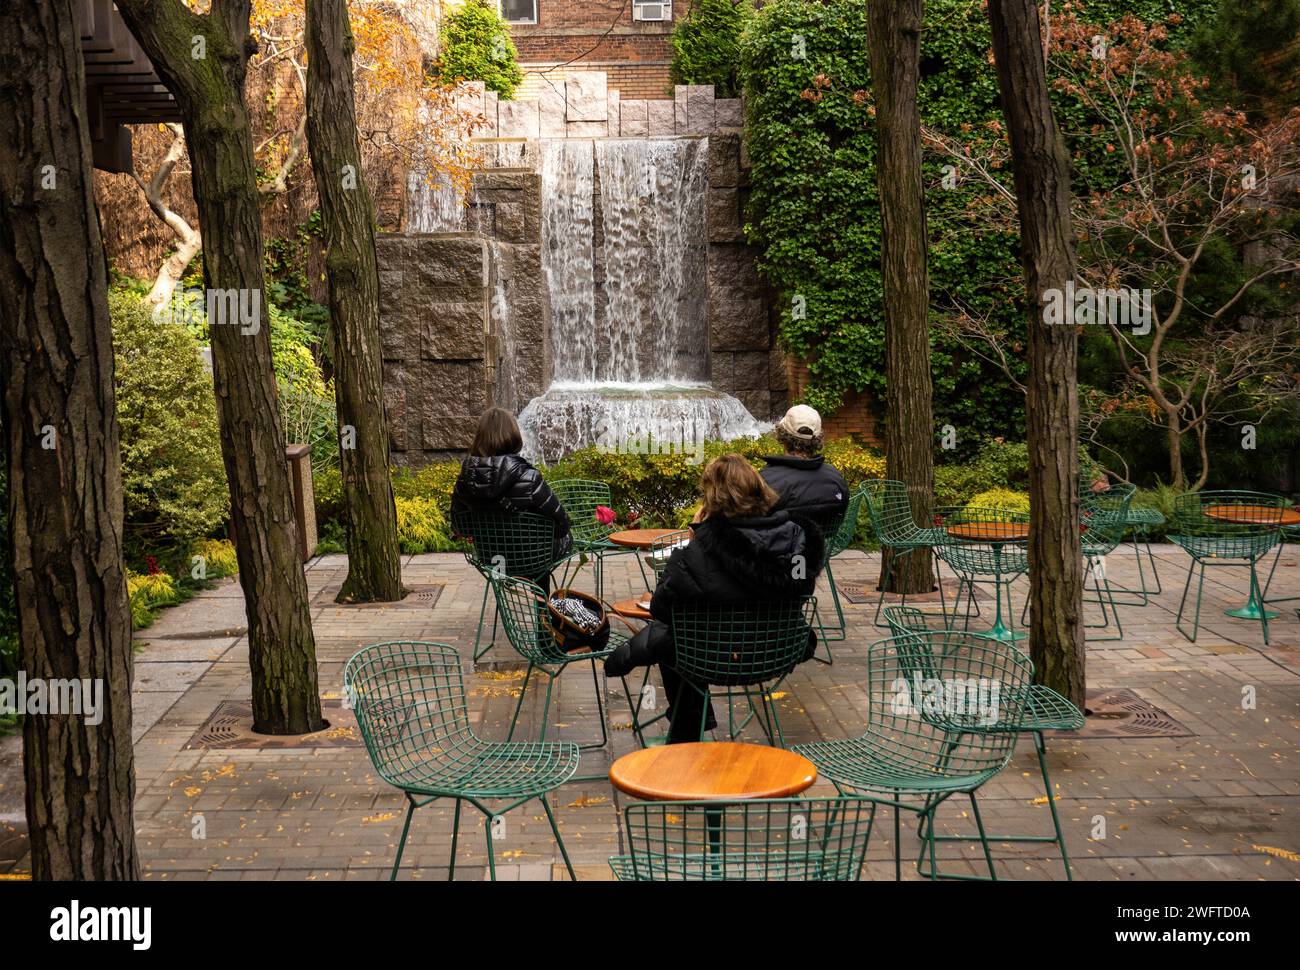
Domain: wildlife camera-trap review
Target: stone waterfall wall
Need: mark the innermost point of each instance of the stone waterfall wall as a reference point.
(465, 316)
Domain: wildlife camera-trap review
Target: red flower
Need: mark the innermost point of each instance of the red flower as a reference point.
(151, 564)
(605, 515)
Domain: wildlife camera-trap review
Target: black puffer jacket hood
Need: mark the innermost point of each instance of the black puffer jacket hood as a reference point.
(509, 483)
(742, 560)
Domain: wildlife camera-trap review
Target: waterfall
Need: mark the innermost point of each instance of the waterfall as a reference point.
(433, 204)
(568, 256)
(624, 247)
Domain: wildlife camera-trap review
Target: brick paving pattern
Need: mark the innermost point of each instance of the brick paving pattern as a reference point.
(1219, 804)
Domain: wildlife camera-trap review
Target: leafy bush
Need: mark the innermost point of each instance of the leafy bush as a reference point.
(172, 472)
(148, 594)
(997, 464)
(476, 46)
(706, 45)
(219, 557)
(1001, 498)
(422, 526)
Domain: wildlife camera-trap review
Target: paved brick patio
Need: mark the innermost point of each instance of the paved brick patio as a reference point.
(1221, 803)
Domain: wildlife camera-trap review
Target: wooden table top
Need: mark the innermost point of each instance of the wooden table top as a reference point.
(630, 609)
(638, 538)
(712, 770)
(1253, 514)
(990, 531)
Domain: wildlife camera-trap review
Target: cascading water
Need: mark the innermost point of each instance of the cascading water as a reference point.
(624, 242)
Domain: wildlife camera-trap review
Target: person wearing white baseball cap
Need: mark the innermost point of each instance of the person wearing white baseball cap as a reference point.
(801, 477)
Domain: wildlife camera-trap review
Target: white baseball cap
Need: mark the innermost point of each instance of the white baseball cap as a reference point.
(801, 421)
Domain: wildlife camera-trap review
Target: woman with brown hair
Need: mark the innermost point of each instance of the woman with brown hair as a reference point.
(740, 551)
(495, 478)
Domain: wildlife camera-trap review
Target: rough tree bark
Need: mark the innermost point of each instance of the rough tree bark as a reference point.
(374, 562)
(1042, 178)
(202, 58)
(894, 43)
(61, 435)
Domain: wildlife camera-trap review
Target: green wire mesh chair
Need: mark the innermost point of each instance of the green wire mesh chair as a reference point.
(890, 510)
(1288, 532)
(1044, 710)
(985, 545)
(505, 544)
(837, 535)
(1227, 528)
(409, 702)
(741, 647)
(935, 703)
(1103, 521)
(522, 607)
(1142, 522)
(757, 840)
(580, 496)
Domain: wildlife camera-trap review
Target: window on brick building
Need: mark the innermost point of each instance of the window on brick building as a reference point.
(519, 11)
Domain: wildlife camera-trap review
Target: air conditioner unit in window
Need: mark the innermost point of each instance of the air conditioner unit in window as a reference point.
(651, 11)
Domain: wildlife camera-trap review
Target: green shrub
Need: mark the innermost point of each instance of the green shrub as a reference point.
(219, 557)
(422, 526)
(1001, 498)
(173, 477)
(148, 594)
(706, 45)
(475, 46)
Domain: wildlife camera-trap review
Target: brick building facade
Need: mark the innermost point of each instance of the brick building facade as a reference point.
(557, 37)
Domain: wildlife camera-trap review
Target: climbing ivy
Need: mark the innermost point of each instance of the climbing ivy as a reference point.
(814, 209)
(705, 45)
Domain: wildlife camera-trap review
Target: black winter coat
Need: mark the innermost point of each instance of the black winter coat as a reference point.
(740, 560)
(809, 487)
(509, 483)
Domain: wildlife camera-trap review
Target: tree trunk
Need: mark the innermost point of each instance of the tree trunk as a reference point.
(210, 92)
(188, 240)
(1174, 446)
(61, 435)
(1042, 177)
(374, 562)
(894, 41)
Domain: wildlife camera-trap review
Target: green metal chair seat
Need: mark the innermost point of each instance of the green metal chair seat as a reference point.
(981, 559)
(1151, 518)
(881, 764)
(778, 839)
(1046, 710)
(488, 769)
(1224, 547)
(890, 509)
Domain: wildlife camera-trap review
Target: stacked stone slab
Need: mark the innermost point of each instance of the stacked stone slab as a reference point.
(438, 383)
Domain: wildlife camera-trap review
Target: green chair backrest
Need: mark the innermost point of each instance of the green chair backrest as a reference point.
(409, 699)
(735, 644)
(1104, 517)
(941, 698)
(1229, 514)
(890, 510)
(507, 543)
(522, 607)
(841, 536)
(782, 839)
(661, 549)
(580, 496)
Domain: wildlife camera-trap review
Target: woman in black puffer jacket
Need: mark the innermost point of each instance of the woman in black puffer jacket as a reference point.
(495, 478)
(740, 552)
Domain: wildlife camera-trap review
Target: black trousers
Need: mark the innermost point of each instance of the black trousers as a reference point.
(653, 644)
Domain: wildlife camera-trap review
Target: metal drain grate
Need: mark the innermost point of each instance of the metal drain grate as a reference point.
(1117, 712)
(231, 726)
(419, 596)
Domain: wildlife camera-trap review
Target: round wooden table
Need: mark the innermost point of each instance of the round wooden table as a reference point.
(1254, 515)
(712, 771)
(631, 608)
(638, 538)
